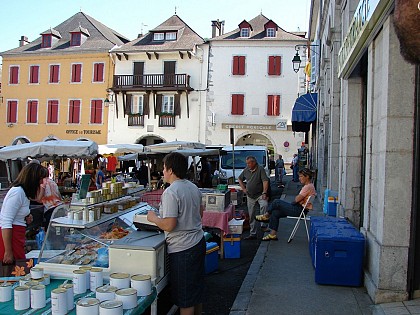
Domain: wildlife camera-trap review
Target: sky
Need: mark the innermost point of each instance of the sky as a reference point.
(130, 17)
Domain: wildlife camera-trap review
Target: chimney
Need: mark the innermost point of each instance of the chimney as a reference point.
(139, 35)
(217, 28)
(214, 26)
(23, 41)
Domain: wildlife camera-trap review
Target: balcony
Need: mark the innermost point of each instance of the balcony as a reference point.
(136, 120)
(166, 121)
(151, 82)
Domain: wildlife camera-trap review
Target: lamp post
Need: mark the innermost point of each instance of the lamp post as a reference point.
(296, 59)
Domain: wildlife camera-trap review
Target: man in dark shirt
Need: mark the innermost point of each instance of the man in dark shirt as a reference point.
(256, 188)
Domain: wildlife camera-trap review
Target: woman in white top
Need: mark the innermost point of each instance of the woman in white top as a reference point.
(15, 213)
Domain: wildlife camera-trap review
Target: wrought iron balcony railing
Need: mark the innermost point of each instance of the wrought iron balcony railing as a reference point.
(151, 81)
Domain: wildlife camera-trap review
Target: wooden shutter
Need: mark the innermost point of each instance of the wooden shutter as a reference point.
(31, 113)
(278, 65)
(96, 112)
(241, 65)
(177, 105)
(146, 107)
(52, 112)
(12, 112)
(76, 73)
(98, 72)
(273, 105)
(14, 75)
(74, 112)
(237, 104)
(158, 109)
(274, 65)
(54, 73)
(128, 100)
(34, 74)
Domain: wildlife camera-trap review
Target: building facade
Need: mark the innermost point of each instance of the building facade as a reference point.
(159, 86)
(55, 87)
(367, 128)
(252, 86)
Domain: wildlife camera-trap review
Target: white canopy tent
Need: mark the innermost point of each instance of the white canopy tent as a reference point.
(167, 147)
(120, 148)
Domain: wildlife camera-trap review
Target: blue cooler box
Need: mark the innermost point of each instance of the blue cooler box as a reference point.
(232, 246)
(212, 257)
(339, 256)
(330, 202)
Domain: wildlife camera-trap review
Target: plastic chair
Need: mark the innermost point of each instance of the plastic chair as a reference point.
(302, 216)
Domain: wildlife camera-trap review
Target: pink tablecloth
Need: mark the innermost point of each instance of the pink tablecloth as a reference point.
(219, 219)
(152, 197)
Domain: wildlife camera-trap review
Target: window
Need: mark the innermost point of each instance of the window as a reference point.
(46, 41)
(76, 73)
(98, 72)
(12, 112)
(34, 74)
(137, 104)
(238, 65)
(274, 65)
(32, 112)
(245, 32)
(273, 105)
(96, 107)
(158, 36)
(54, 73)
(271, 32)
(237, 104)
(170, 36)
(74, 112)
(76, 39)
(168, 104)
(52, 112)
(14, 75)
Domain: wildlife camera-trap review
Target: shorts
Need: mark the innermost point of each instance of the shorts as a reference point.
(187, 275)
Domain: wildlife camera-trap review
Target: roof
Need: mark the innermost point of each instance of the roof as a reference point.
(258, 32)
(101, 38)
(186, 38)
(80, 29)
(52, 31)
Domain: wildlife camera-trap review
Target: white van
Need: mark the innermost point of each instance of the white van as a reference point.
(226, 162)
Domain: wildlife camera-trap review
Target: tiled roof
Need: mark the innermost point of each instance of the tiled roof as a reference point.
(52, 32)
(258, 32)
(186, 38)
(101, 38)
(81, 29)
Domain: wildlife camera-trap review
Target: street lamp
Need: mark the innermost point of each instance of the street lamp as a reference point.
(296, 59)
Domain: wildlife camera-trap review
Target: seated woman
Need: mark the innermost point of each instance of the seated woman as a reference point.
(281, 209)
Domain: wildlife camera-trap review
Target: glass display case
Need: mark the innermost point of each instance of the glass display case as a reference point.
(111, 242)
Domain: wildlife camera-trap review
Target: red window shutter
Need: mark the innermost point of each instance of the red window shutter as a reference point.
(278, 65)
(235, 67)
(241, 104)
(96, 112)
(54, 73)
(12, 112)
(273, 105)
(237, 104)
(76, 73)
(241, 65)
(271, 65)
(34, 74)
(234, 104)
(32, 112)
(74, 112)
(14, 75)
(98, 73)
(52, 112)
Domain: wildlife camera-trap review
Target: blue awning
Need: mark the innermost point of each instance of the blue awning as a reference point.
(304, 112)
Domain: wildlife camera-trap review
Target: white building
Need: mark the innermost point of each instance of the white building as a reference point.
(252, 86)
(159, 87)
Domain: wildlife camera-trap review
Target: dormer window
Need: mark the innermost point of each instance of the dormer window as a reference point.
(170, 36)
(271, 32)
(245, 32)
(158, 36)
(76, 39)
(46, 41)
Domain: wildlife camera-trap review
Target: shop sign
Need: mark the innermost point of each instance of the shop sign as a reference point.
(281, 124)
(83, 132)
(249, 126)
(357, 27)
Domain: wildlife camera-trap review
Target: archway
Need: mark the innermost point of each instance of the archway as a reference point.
(256, 139)
(20, 140)
(149, 140)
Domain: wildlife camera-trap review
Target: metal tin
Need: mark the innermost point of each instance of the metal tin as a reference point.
(87, 306)
(46, 280)
(111, 308)
(96, 278)
(87, 269)
(25, 279)
(59, 301)
(91, 215)
(128, 297)
(32, 283)
(121, 280)
(106, 292)
(5, 292)
(37, 272)
(69, 295)
(85, 214)
(70, 215)
(142, 283)
(22, 298)
(79, 281)
(38, 296)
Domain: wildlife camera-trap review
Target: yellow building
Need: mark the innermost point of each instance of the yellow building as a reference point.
(56, 86)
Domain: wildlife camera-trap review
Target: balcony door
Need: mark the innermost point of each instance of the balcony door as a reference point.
(169, 73)
(138, 72)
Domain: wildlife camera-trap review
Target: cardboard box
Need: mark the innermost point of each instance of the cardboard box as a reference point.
(232, 246)
(236, 226)
(217, 201)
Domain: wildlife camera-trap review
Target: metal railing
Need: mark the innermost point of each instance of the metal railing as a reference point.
(151, 81)
(166, 121)
(136, 120)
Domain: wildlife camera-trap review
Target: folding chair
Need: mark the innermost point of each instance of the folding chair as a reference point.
(302, 216)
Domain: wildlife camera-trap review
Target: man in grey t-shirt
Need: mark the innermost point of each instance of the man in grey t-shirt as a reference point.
(256, 188)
